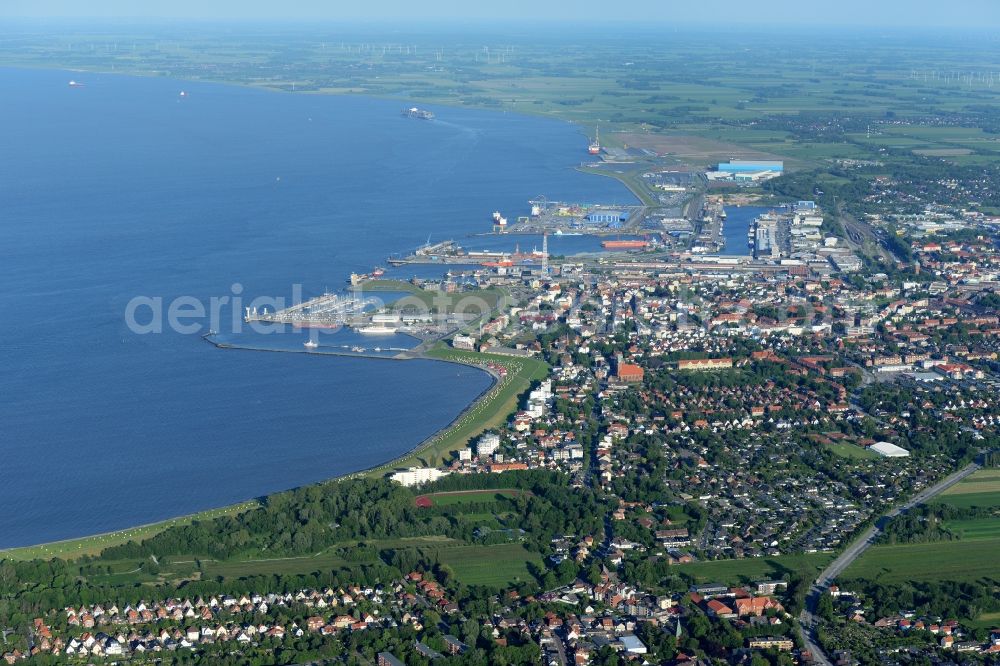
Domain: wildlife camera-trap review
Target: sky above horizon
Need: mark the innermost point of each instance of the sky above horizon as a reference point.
(983, 14)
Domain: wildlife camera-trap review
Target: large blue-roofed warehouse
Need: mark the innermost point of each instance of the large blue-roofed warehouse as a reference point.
(743, 166)
(607, 217)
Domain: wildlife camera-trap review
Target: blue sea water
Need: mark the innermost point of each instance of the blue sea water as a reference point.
(122, 188)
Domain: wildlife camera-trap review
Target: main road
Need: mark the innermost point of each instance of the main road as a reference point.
(807, 619)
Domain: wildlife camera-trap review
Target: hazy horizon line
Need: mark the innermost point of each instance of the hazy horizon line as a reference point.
(442, 24)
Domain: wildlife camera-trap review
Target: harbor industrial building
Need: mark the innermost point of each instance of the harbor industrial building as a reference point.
(609, 217)
(745, 171)
(795, 234)
(747, 166)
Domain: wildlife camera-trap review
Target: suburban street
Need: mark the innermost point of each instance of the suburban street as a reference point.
(807, 619)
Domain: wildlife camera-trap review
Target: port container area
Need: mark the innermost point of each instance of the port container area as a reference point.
(556, 216)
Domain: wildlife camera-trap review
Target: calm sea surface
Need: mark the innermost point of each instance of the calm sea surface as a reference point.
(122, 188)
(736, 227)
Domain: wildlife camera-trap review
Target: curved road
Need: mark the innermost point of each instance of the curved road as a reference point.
(807, 619)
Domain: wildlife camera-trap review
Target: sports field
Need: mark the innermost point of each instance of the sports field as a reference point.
(491, 496)
(852, 451)
(490, 565)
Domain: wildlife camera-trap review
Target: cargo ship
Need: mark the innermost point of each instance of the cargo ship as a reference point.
(376, 329)
(358, 278)
(414, 112)
(595, 147)
(624, 244)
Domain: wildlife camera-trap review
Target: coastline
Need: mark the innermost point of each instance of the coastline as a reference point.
(481, 410)
(92, 544)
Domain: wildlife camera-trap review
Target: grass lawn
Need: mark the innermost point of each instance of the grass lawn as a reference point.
(476, 301)
(281, 566)
(497, 565)
(987, 621)
(389, 285)
(317, 562)
(852, 451)
(479, 496)
(738, 571)
(965, 560)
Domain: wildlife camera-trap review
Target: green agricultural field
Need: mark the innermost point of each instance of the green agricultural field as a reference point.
(980, 489)
(618, 78)
(496, 566)
(965, 560)
(742, 571)
(967, 500)
(981, 481)
(976, 528)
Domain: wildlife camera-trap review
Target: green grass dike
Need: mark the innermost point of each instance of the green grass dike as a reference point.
(69, 549)
(491, 410)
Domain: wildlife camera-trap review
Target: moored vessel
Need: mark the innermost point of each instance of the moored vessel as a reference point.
(376, 329)
(624, 244)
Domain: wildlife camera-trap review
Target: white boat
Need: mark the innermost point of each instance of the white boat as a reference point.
(310, 344)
